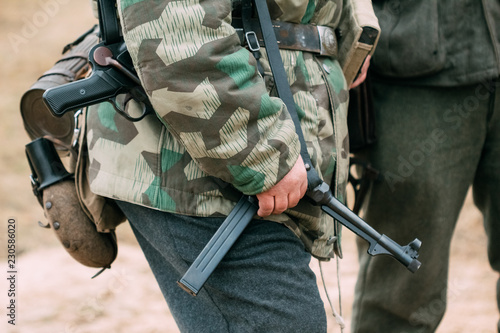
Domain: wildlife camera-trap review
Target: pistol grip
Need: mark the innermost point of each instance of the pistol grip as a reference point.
(72, 96)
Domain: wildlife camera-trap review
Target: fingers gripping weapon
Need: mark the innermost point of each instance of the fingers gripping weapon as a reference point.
(220, 243)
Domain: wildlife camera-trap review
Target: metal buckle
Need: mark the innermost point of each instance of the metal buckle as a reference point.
(76, 129)
(34, 182)
(251, 38)
(327, 40)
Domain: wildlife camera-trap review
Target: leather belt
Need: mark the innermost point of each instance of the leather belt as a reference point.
(291, 36)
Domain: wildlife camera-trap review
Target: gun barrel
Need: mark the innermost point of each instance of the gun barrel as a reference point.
(379, 244)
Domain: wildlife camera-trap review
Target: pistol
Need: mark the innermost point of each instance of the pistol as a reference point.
(112, 75)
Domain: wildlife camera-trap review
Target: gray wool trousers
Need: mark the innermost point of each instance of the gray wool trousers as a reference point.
(264, 283)
(433, 144)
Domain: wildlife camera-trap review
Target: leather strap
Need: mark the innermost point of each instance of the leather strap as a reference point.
(317, 39)
(108, 22)
(283, 86)
(249, 34)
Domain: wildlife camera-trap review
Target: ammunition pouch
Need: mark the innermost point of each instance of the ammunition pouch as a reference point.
(359, 33)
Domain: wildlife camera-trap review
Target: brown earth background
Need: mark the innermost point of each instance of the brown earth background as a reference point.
(54, 294)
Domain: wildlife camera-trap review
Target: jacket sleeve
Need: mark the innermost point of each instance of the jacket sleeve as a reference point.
(207, 91)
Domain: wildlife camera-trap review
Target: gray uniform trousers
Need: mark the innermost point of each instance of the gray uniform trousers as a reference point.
(433, 143)
(264, 283)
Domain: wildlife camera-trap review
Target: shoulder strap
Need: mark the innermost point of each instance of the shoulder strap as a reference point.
(108, 21)
(283, 86)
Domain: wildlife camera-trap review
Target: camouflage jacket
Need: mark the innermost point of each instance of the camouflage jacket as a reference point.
(216, 116)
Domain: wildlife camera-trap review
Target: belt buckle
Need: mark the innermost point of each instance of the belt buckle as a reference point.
(328, 41)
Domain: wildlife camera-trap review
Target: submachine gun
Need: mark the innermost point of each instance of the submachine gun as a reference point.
(114, 74)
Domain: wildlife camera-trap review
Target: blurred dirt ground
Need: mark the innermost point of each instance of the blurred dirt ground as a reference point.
(55, 294)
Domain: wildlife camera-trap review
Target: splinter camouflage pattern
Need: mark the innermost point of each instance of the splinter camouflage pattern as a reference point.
(216, 118)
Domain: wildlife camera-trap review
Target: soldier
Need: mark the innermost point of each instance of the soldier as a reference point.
(437, 107)
(216, 117)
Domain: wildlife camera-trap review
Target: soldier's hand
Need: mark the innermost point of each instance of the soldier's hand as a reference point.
(285, 194)
(362, 75)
